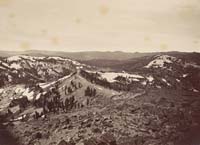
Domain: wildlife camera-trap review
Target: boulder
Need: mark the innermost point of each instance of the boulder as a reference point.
(63, 142)
(108, 138)
(105, 139)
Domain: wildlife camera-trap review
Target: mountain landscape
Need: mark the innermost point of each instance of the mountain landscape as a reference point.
(99, 98)
(85, 55)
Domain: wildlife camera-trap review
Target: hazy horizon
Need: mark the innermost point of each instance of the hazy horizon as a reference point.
(100, 25)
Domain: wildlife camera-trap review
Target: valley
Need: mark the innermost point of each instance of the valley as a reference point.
(149, 99)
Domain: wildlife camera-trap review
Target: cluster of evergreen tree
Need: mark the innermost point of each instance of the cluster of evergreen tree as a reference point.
(52, 101)
(119, 86)
(71, 103)
(70, 90)
(73, 86)
(90, 92)
(22, 102)
(94, 78)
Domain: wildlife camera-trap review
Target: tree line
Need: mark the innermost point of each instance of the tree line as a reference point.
(120, 85)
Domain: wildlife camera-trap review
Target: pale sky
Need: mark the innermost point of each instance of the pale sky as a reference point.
(100, 25)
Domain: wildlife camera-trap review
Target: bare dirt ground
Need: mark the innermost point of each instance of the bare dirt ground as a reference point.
(159, 117)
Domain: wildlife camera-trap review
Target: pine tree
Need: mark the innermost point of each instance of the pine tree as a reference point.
(87, 91)
(70, 90)
(79, 85)
(88, 102)
(94, 92)
(66, 104)
(72, 99)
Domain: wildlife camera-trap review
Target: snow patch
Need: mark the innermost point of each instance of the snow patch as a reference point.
(164, 80)
(15, 65)
(113, 93)
(100, 88)
(29, 94)
(185, 75)
(144, 83)
(43, 93)
(46, 85)
(75, 62)
(159, 87)
(38, 96)
(5, 64)
(9, 78)
(64, 59)
(195, 90)
(136, 80)
(56, 57)
(19, 90)
(160, 61)
(1, 91)
(14, 58)
(110, 76)
(79, 67)
(19, 57)
(2, 68)
(150, 78)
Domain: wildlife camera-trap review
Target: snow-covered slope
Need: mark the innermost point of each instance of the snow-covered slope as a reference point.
(113, 76)
(161, 71)
(26, 69)
(174, 72)
(161, 61)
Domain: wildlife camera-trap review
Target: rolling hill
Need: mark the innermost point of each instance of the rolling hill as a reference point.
(148, 99)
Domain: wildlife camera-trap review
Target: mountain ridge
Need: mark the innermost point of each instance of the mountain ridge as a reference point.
(86, 55)
(151, 99)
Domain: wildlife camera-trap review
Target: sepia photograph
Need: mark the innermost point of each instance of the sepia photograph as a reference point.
(99, 72)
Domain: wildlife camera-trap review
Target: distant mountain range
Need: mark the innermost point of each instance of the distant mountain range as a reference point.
(87, 55)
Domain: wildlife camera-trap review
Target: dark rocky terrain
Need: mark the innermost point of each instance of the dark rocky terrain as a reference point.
(151, 99)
